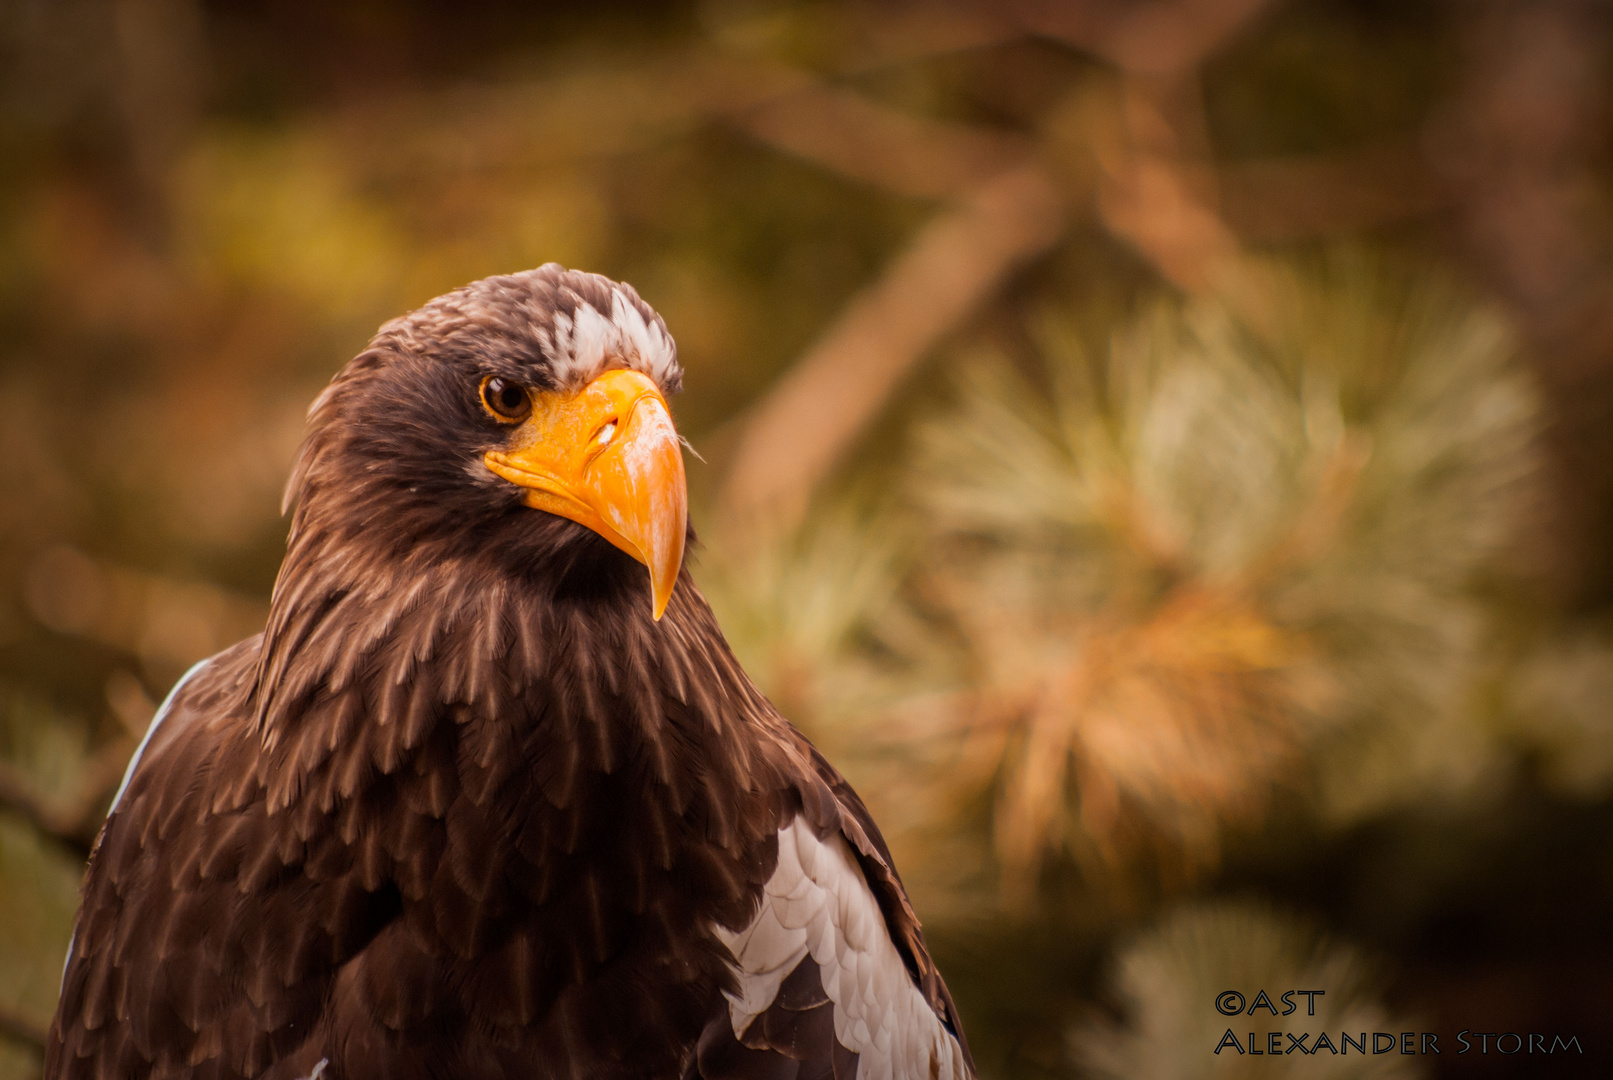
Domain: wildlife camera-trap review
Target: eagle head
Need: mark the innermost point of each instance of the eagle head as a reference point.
(544, 390)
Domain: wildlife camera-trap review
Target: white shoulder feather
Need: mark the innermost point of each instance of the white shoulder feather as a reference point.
(818, 904)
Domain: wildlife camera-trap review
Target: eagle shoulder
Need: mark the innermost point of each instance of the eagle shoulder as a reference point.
(833, 976)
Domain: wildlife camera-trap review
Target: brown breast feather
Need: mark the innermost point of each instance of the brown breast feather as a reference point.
(470, 834)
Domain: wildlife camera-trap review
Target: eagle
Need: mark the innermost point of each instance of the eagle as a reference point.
(485, 799)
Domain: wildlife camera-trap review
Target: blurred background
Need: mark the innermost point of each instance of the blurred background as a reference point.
(1162, 452)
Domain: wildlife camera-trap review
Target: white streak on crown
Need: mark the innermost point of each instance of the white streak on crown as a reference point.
(584, 345)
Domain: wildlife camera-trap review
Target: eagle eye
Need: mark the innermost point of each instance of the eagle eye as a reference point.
(508, 402)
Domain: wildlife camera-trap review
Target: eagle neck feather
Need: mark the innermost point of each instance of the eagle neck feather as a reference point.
(368, 653)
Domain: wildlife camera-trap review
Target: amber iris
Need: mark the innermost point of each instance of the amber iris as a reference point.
(508, 401)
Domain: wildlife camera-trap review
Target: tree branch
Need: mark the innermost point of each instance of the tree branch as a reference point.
(865, 140)
(793, 437)
(1158, 190)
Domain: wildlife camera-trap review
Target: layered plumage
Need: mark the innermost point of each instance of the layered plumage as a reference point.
(466, 808)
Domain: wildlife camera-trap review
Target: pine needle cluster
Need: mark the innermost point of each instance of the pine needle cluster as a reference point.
(1130, 581)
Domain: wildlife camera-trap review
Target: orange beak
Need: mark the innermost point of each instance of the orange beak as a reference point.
(608, 458)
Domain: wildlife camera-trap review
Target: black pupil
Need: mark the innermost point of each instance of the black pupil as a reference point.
(507, 397)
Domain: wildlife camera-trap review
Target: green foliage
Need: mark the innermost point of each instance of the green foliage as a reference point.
(1168, 573)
